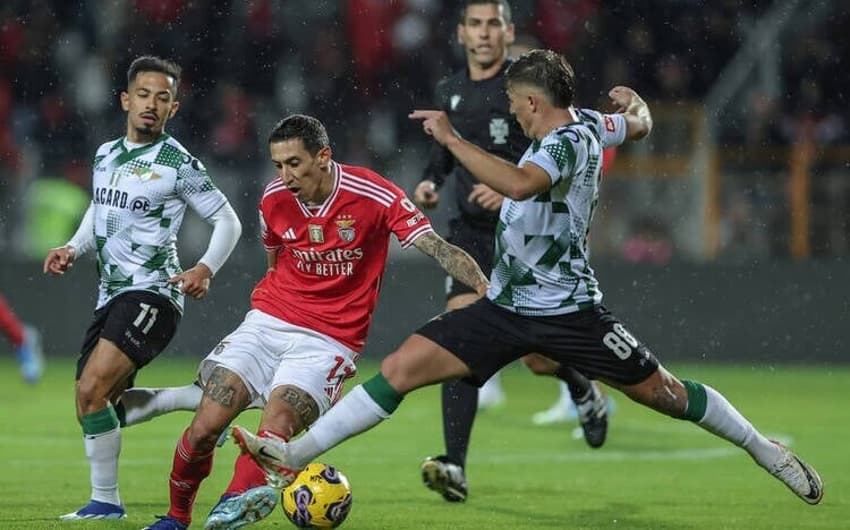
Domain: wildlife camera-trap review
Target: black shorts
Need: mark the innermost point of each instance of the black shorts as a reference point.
(487, 337)
(140, 323)
(478, 243)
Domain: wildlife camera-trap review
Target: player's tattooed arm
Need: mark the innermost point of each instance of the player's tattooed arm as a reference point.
(454, 260)
(301, 403)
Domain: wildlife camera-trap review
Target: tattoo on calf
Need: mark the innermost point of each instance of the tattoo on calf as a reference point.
(303, 404)
(666, 401)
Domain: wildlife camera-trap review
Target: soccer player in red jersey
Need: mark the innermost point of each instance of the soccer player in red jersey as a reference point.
(326, 227)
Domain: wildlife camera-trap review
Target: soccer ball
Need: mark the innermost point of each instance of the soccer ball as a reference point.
(320, 497)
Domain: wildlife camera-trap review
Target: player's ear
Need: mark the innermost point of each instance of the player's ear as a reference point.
(174, 107)
(460, 34)
(324, 156)
(125, 101)
(510, 34)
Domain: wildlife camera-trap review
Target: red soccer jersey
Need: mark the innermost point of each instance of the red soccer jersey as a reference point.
(330, 259)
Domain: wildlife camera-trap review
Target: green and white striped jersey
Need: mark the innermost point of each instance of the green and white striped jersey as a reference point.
(540, 265)
(140, 196)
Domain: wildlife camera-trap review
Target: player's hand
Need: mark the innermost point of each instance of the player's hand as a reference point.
(426, 195)
(59, 260)
(485, 197)
(195, 282)
(622, 97)
(482, 289)
(436, 123)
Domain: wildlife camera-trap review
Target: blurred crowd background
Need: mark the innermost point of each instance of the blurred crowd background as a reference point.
(748, 160)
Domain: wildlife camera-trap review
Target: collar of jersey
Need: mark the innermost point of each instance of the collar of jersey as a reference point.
(133, 153)
(323, 208)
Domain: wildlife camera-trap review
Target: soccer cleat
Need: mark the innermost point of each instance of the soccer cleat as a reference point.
(269, 453)
(445, 478)
(30, 355)
(166, 523)
(96, 510)
(800, 477)
(593, 416)
(241, 510)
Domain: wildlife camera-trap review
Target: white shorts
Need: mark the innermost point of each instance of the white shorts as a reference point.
(266, 352)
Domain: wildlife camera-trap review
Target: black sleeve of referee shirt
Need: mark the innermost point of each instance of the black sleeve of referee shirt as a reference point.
(440, 161)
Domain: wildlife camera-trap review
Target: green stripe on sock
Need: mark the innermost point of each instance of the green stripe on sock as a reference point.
(100, 422)
(697, 400)
(384, 395)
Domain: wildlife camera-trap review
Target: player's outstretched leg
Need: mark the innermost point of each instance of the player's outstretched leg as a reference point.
(800, 477)
(138, 405)
(708, 408)
(711, 411)
(444, 477)
(236, 511)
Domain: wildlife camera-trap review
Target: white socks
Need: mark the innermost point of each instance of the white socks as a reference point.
(353, 414)
(143, 404)
(723, 420)
(102, 450)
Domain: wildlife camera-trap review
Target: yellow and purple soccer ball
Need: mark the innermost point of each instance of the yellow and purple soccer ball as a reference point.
(320, 497)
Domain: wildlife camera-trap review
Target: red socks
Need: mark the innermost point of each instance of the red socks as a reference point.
(246, 473)
(187, 472)
(11, 324)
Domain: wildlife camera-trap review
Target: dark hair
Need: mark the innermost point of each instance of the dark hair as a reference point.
(506, 9)
(547, 71)
(150, 63)
(310, 130)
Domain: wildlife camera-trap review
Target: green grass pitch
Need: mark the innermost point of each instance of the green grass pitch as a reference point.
(653, 472)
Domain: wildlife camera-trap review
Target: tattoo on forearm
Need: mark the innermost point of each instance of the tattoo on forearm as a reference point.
(303, 405)
(219, 390)
(454, 260)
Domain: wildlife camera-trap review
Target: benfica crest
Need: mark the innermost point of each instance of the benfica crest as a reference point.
(345, 227)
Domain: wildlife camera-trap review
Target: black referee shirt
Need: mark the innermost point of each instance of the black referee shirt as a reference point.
(479, 112)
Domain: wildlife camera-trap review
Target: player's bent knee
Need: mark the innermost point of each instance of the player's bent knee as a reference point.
(92, 395)
(395, 372)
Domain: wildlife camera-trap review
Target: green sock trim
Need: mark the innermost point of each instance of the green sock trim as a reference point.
(384, 395)
(100, 422)
(697, 401)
